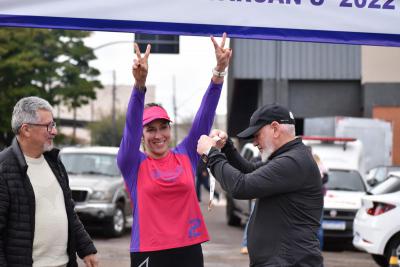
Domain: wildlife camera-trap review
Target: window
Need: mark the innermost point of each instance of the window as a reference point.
(345, 180)
(85, 163)
(391, 185)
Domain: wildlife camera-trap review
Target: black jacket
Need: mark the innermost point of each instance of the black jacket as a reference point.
(17, 210)
(283, 228)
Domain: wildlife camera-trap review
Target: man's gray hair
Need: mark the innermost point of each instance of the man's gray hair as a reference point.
(288, 129)
(25, 111)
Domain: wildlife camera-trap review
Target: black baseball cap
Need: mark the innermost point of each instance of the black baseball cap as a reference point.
(266, 115)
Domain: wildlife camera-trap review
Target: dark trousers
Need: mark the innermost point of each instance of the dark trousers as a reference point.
(191, 256)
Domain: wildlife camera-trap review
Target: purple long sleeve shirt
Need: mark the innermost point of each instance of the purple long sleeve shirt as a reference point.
(166, 213)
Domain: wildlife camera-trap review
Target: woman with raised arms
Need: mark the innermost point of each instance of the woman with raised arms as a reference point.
(168, 227)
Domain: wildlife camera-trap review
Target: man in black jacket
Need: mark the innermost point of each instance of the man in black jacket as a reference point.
(283, 227)
(38, 224)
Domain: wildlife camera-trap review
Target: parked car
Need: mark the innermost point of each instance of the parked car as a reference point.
(342, 200)
(238, 210)
(98, 188)
(344, 159)
(376, 226)
(379, 174)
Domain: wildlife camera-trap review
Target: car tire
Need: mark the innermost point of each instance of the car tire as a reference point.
(394, 243)
(231, 218)
(380, 260)
(116, 225)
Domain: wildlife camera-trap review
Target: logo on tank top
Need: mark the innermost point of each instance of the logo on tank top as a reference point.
(167, 175)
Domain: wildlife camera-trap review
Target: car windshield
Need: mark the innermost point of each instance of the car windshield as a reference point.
(345, 180)
(90, 163)
(390, 185)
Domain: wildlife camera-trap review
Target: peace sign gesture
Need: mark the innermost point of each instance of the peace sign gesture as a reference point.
(140, 66)
(222, 54)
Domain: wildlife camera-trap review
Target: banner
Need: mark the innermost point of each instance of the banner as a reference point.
(370, 22)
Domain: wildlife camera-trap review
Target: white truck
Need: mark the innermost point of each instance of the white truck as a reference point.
(375, 135)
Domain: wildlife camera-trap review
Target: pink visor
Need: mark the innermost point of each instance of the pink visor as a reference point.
(154, 113)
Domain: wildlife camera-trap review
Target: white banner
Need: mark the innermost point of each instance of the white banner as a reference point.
(375, 22)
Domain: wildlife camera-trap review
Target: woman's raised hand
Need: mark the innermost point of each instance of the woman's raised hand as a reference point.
(140, 66)
(223, 55)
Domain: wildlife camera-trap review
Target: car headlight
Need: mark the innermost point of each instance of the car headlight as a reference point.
(100, 196)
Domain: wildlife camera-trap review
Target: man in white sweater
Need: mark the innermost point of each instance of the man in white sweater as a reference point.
(38, 225)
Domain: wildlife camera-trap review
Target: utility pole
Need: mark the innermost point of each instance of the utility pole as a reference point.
(114, 141)
(175, 109)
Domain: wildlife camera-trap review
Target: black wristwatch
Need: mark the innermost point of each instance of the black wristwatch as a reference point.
(204, 156)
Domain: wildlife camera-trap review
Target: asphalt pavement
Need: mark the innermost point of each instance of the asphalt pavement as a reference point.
(223, 250)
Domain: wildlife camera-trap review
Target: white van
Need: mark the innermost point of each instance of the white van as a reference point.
(337, 152)
(343, 158)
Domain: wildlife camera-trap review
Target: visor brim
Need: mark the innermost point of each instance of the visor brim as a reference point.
(249, 132)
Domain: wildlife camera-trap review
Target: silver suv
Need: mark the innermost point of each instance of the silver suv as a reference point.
(98, 188)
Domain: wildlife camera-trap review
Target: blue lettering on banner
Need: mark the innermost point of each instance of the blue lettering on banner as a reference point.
(387, 4)
(317, 2)
(374, 4)
(360, 3)
(297, 2)
(195, 224)
(345, 3)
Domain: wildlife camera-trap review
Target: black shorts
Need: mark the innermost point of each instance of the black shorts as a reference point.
(191, 256)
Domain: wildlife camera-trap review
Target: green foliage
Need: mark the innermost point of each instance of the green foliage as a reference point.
(62, 140)
(52, 64)
(103, 131)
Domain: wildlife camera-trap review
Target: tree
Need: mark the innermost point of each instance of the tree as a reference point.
(52, 64)
(102, 133)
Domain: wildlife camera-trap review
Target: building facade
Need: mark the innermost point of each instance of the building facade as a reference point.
(313, 80)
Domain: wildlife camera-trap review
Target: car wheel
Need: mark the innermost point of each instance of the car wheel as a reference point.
(231, 218)
(394, 244)
(116, 225)
(380, 260)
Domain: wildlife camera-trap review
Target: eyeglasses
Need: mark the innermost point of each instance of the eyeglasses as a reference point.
(49, 126)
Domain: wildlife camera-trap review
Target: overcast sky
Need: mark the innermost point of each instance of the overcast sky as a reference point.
(191, 68)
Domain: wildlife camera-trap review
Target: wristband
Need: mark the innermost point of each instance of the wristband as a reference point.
(218, 73)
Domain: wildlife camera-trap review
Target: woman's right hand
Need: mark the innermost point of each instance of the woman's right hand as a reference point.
(140, 66)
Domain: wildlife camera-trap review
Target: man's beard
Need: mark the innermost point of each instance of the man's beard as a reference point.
(267, 150)
(48, 147)
(265, 154)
